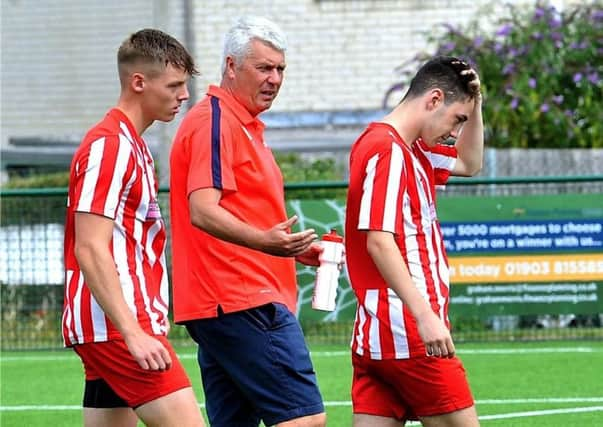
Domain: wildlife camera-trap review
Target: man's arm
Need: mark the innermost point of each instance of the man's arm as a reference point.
(386, 255)
(207, 214)
(93, 235)
(470, 144)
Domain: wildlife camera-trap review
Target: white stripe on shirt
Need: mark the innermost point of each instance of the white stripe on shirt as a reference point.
(396, 319)
(393, 188)
(371, 303)
(91, 175)
(99, 323)
(67, 315)
(77, 306)
(364, 217)
(121, 164)
(360, 320)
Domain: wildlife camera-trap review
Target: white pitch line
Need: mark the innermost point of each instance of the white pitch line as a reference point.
(530, 414)
(541, 413)
(485, 351)
(334, 403)
(504, 401)
(539, 400)
(39, 408)
(528, 350)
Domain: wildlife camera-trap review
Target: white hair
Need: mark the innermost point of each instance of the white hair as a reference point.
(238, 38)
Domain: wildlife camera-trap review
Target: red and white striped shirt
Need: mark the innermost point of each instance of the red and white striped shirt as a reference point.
(392, 188)
(113, 175)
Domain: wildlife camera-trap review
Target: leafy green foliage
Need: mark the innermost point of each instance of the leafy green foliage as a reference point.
(541, 71)
(41, 209)
(297, 170)
(47, 180)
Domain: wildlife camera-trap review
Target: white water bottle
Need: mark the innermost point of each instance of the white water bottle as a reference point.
(327, 275)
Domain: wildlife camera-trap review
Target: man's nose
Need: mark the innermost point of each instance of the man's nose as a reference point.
(454, 133)
(275, 77)
(184, 95)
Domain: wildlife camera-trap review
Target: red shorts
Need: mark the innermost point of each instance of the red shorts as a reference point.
(405, 389)
(113, 362)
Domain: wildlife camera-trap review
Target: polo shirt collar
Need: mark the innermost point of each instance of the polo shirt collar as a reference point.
(237, 108)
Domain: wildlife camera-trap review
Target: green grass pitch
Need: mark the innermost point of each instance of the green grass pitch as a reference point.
(514, 384)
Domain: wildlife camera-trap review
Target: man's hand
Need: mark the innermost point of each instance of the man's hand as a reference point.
(310, 256)
(472, 77)
(474, 82)
(148, 351)
(435, 335)
(280, 242)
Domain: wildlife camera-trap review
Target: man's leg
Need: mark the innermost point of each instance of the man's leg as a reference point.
(464, 418)
(263, 353)
(420, 386)
(109, 417)
(293, 375)
(375, 402)
(159, 398)
(365, 420)
(177, 409)
(104, 408)
(225, 403)
(317, 420)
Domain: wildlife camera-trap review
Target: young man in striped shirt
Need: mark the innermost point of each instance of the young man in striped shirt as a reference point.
(402, 350)
(115, 312)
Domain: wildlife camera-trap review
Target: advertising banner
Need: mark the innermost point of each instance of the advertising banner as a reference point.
(524, 255)
(515, 255)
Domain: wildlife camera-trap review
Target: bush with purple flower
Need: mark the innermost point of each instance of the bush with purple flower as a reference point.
(541, 71)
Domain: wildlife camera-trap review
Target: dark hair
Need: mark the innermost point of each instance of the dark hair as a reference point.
(153, 48)
(444, 72)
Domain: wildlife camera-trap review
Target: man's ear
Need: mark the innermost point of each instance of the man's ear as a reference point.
(137, 82)
(434, 98)
(230, 67)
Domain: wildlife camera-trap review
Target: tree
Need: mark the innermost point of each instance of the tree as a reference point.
(541, 71)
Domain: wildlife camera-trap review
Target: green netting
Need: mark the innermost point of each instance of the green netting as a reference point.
(558, 304)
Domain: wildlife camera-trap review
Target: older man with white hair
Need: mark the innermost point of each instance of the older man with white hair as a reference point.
(233, 250)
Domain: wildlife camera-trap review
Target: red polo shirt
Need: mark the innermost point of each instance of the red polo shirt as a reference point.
(220, 145)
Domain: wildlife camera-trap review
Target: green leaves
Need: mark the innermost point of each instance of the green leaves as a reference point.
(541, 71)
(296, 169)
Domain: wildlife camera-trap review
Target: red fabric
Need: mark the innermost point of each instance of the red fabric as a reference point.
(208, 271)
(112, 174)
(407, 389)
(113, 362)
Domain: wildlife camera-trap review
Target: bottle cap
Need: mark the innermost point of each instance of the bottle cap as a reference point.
(332, 236)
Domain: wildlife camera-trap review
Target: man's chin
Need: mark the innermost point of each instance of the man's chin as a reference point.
(167, 118)
(264, 106)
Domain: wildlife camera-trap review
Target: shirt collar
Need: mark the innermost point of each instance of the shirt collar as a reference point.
(120, 116)
(235, 106)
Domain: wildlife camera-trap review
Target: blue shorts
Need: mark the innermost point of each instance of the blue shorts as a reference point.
(255, 366)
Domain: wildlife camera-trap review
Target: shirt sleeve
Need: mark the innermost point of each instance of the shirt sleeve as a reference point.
(102, 171)
(383, 187)
(442, 158)
(211, 156)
